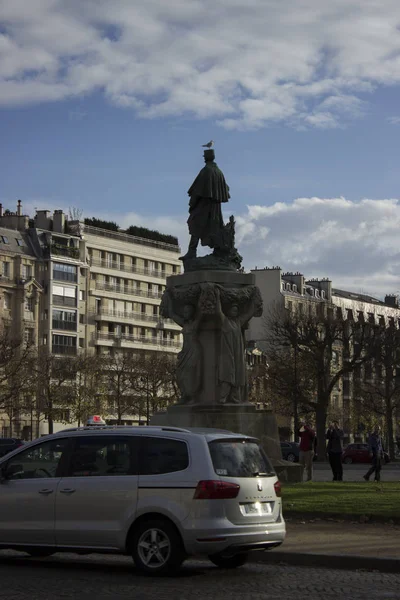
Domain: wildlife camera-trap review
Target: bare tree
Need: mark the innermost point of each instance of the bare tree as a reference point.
(319, 332)
(15, 374)
(119, 377)
(291, 384)
(377, 388)
(155, 381)
(88, 389)
(55, 380)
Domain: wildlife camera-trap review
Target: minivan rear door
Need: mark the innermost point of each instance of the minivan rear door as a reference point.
(243, 461)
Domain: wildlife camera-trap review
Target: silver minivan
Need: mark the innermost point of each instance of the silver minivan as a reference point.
(159, 494)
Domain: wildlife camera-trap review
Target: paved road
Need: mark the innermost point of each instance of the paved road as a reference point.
(322, 472)
(105, 578)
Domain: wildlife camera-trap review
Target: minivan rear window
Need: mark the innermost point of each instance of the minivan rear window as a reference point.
(240, 458)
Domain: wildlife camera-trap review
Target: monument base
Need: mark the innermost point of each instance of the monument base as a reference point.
(238, 418)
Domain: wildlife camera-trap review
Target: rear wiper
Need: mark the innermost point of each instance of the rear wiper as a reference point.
(258, 474)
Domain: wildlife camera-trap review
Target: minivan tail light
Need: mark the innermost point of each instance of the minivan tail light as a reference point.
(216, 490)
(278, 489)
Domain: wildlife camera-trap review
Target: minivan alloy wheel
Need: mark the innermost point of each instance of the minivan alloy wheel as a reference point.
(157, 547)
(154, 548)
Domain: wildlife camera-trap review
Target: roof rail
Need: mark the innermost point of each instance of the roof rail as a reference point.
(108, 427)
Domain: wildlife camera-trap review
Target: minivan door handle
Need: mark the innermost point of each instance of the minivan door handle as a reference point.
(46, 491)
(67, 491)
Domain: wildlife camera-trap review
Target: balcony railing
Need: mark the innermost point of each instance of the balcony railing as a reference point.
(133, 316)
(132, 239)
(124, 289)
(122, 266)
(65, 350)
(64, 325)
(137, 339)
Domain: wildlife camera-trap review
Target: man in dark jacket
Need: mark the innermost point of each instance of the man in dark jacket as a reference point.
(334, 449)
(375, 447)
(307, 448)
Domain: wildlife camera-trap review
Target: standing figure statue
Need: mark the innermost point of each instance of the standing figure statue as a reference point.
(207, 193)
(232, 372)
(189, 365)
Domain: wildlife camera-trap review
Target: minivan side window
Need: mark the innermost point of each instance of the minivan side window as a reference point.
(38, 462)
(99, 456)
(162, 455)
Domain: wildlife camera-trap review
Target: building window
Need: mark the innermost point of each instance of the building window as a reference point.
(81, 317)
(26, 271)
(7, 301)
(29, 304)
(19, 242)
(6, 269)
(64, 319)
(294, 287)
(5, 239)
(64, 295)
(323, 294)
(81, 342)
(28, 336)
(81, 295)
(63, 344)
(63, 272)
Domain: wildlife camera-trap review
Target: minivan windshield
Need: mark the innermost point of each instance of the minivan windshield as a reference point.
(239, 458)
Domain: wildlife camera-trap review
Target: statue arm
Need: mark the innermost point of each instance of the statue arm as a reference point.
(248, 314)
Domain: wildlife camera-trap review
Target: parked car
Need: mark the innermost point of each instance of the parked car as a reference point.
(159, 494)
(358, 453)
(9, 444)
(290, 451)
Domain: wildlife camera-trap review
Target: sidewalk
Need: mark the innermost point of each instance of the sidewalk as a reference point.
(338, 545)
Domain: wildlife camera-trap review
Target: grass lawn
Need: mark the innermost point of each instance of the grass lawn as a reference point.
(380, 500)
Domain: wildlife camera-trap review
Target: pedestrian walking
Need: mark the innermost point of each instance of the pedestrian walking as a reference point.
(375, 447)
(307, 448)
(334, 449)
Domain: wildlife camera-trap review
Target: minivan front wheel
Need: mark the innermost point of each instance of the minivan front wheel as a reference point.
(157, 548)
(229, 562)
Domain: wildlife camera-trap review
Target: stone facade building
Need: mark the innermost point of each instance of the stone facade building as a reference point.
(71, 288)
(294, 292)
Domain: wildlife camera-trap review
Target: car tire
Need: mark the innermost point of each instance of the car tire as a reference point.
(157, 548)
(39, 552)
(291, 457)
(229, 562)
(348, 460)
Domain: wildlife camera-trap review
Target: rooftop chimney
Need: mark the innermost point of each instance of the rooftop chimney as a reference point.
(19, 208)
(1, 210)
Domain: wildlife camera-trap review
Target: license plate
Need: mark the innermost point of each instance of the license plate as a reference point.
(256, 508)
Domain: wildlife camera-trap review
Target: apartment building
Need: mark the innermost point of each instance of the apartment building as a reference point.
(125, 281)
(294, 292)
(77, 288)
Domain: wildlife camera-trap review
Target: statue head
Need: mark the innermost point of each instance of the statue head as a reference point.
(233, 311)
(209, 155)
(188, 312)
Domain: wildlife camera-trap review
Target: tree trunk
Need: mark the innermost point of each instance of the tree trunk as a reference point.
(389, 428)
(321, 412)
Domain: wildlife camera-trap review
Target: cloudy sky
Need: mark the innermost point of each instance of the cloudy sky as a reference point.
(104, 106)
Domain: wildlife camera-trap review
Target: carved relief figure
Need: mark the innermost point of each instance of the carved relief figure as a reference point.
(232, 374)
(189, 364)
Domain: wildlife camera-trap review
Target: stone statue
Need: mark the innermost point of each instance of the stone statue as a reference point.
(208, 191)
(189, 363)
(206, 312)
(232, 369)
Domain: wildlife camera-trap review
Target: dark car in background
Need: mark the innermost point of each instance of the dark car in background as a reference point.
(290, 451)
(358, 453)
(9, 444)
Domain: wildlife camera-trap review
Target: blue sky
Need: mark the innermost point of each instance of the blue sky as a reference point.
(105, 108)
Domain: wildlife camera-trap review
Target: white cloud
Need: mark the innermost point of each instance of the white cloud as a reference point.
(394, 120)
(245, 64)
(353, 243)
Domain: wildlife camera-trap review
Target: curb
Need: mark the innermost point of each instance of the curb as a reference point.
(347, 562)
